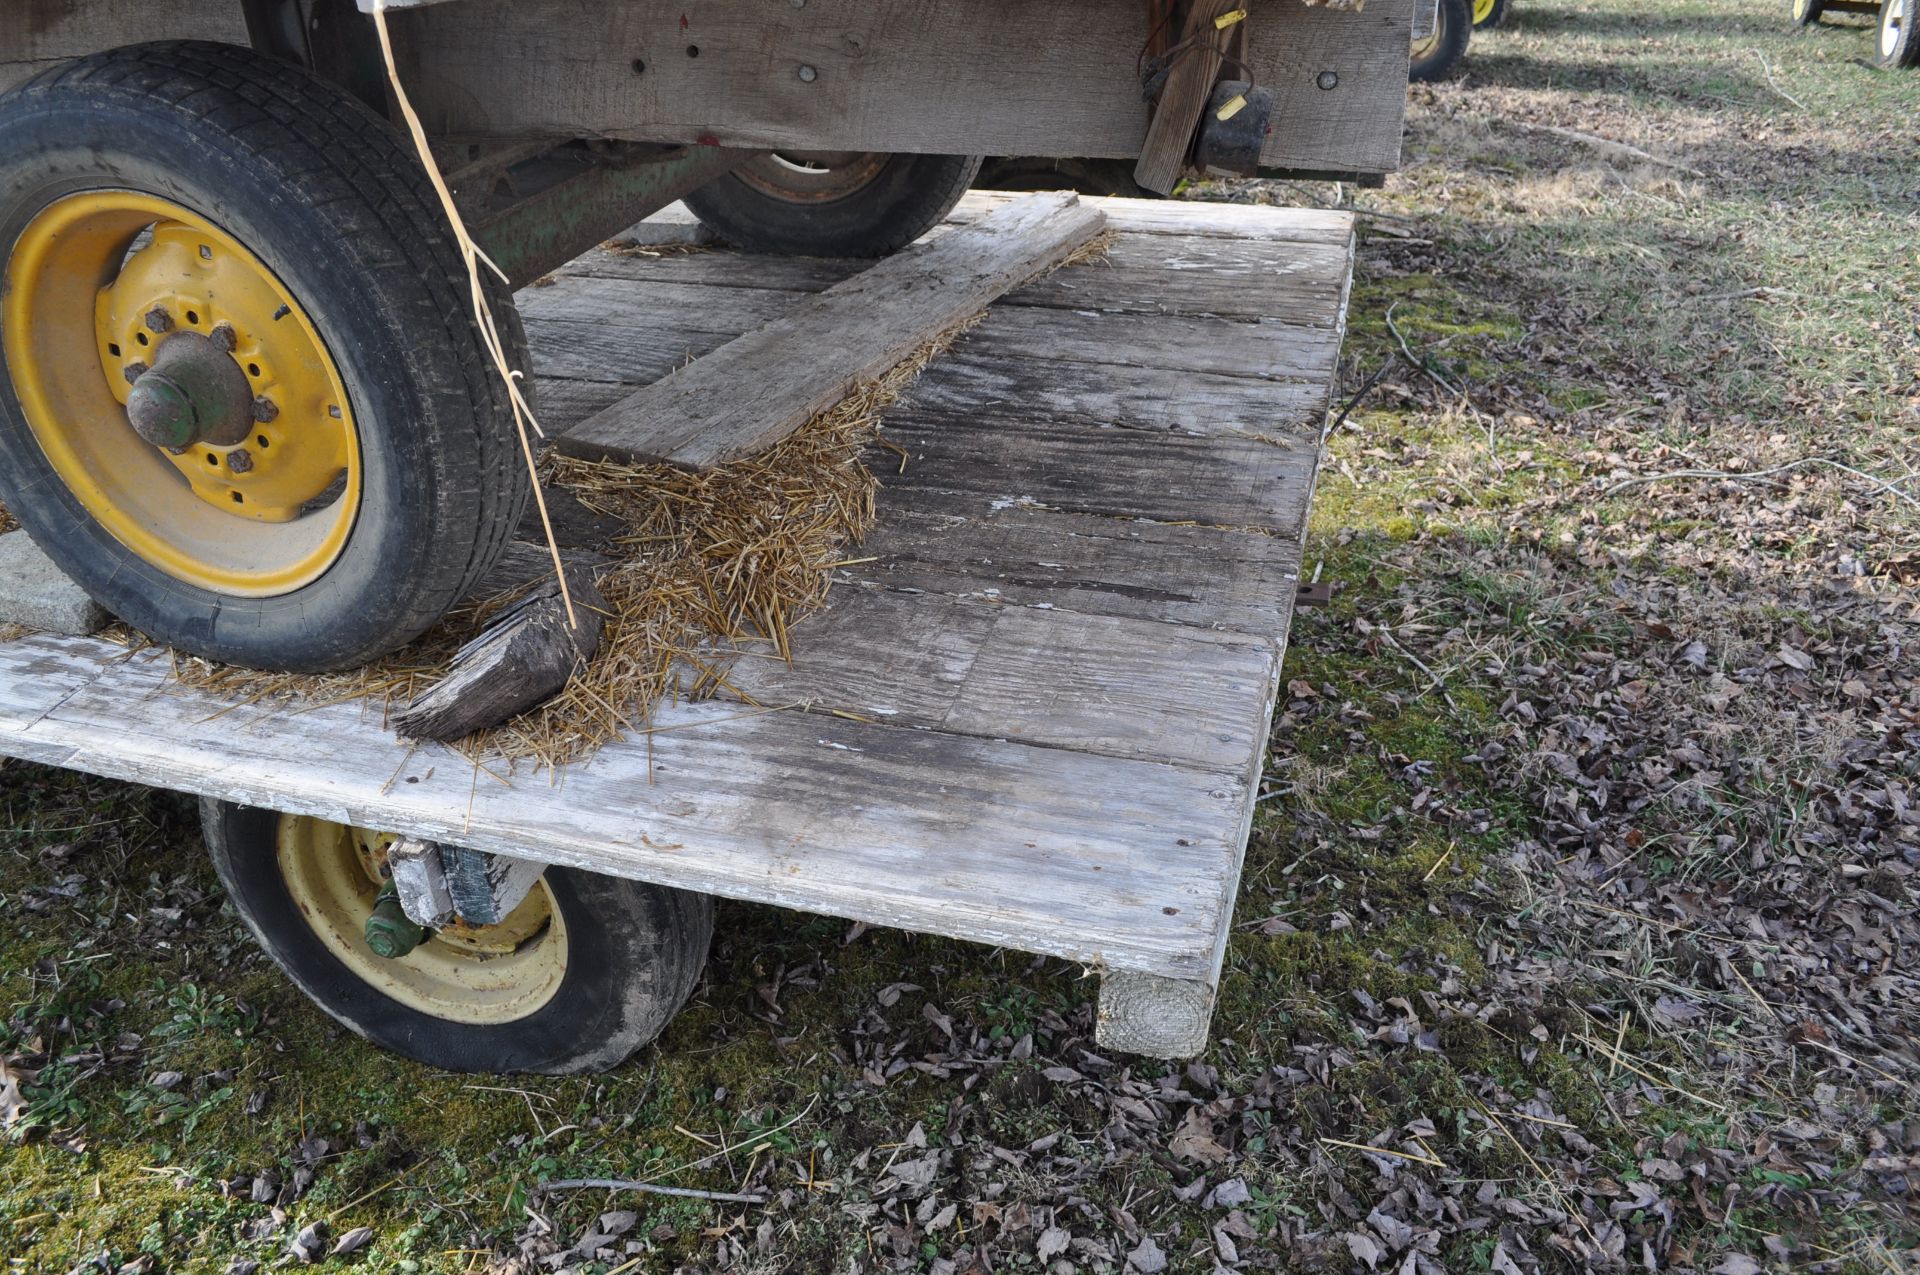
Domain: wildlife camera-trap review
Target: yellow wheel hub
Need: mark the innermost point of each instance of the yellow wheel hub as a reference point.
(96, 285)
(481, 974)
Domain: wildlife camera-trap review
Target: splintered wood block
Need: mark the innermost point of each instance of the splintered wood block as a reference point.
(752, 392)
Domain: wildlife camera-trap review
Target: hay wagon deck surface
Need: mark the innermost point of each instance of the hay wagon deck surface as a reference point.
(1058, 667)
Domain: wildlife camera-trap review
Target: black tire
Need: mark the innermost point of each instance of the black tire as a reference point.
(634, 953)
(1435, 58)
(1491, 17)
(844, 205)
(1896, 36)
(1805, 13)
(330, 198)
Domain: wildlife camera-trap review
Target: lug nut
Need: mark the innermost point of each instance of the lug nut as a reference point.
(264, 409)
(240, 460)
(223, 338)
(134, 371)
(158, 320)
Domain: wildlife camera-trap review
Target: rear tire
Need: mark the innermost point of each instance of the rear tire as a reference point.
(631, 955)
(1805, 12)
(315, 196)
(839, 204)
(1490, 15)
(1895, 41)
(1435, 57)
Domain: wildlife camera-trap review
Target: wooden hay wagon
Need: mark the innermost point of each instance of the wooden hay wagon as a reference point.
(249, 407)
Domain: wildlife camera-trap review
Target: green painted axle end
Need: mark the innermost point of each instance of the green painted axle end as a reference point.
(390, 932)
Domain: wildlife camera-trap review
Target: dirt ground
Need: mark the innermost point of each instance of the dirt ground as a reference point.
(1579, 928)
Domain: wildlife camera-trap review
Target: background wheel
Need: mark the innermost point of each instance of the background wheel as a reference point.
(1805, 12)
(1087, 176)
(1490, 14)
(1895, 43)
(833, 203)
(243, 401)
(585, 971)
(1435, 57)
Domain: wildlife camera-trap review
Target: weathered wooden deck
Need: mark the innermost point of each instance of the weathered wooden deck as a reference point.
(1066, 647)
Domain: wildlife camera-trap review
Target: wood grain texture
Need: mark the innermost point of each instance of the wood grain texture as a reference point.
(1176, 111)
(1060, 683)
(1151, 1015)
(756, 390)
(997, 77)
(37, 34)
(1042, 849)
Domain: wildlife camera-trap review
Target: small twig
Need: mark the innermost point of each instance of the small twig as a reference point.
(1775, 84)
(1565, 1204)
(1359, 394)
(1439, 683)
(1605, 145)
(1416, 360)
(1437, 863)
(622, 1184)
(1891, 488)
(1398, 1155)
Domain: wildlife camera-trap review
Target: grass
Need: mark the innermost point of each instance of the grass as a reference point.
(1604, 321)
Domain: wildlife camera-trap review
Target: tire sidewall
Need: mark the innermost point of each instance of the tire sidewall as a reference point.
(633, 953)
(1455, 22)
(907, 197)
(97, 135)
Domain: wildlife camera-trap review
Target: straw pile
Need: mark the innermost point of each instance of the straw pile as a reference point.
(709, 563)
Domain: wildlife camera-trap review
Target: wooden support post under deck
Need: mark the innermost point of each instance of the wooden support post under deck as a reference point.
(1151, 1015)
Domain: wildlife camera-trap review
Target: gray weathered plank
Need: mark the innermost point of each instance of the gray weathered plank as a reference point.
(756, 390)
(1117, 687)
(960, 464)
(1071, 562)
(997, 77)
(1096, 859)
(37, 34)
(1189, 82)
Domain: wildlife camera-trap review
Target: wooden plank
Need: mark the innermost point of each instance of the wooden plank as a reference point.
(1096, 566)
(758, 389)
(1113, 394)
(1142, 273)
(1113, 862)
(1202, 275)
(1191, 217)
(1176, 111)
(38, 34)
(998, 77)
(1116, 687)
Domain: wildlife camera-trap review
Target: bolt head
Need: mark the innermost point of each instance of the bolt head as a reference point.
(808, 75)
(224, 339)
(264, 409)
(158, 320)
(133, 371)
(240, 460)
(1327, 79)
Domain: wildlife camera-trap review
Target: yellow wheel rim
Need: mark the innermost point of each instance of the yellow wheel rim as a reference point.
(1427, 43)
(95, 284)
(1482, 10)
(466, 974)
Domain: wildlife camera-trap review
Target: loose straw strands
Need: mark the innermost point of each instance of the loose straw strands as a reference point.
(708, 562)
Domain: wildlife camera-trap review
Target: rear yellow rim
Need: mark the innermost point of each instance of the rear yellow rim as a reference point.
(464, 973)
(1482, 10)
(96, 284)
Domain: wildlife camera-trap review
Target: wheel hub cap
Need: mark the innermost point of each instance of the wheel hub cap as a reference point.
(193, 393)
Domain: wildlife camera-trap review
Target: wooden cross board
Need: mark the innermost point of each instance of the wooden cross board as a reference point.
(1058, 669)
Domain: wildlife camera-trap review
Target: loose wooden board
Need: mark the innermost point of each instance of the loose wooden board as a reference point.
(756, 390)
(1057, 651)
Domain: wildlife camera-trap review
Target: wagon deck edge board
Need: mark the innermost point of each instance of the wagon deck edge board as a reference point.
(1056, 697)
